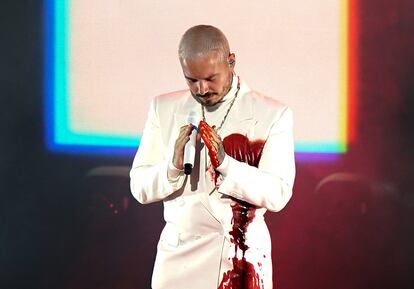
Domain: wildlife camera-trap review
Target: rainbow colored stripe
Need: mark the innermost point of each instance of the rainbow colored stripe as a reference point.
(60, 136)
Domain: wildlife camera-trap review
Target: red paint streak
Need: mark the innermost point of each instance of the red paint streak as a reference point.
(243, 214)
(243, 275)
(207, 135)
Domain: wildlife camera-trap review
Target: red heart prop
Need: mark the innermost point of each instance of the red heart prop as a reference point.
(242, 149)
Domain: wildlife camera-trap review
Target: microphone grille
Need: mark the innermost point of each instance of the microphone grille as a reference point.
(193, 117)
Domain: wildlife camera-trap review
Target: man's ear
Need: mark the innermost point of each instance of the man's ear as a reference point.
(231, 59)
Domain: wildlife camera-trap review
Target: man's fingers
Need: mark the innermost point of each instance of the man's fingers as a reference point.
(212, 141)
(184, 136)
(185, 132)
(209, 135)
(186, 129)
(182, 139)
(216, 137)
(209, 141)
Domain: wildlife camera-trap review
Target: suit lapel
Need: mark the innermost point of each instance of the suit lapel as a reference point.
(240, 119)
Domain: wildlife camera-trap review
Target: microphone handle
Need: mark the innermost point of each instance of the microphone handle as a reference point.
(189, 152)
(188, 168)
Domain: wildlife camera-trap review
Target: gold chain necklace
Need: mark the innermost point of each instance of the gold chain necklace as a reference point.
(228, 110)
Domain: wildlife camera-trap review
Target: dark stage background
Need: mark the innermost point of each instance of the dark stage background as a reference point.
(67, 222)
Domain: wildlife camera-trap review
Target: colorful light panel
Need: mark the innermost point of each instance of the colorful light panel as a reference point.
(64, 136)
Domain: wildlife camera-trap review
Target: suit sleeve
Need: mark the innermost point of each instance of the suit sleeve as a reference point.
(270, 185)
(150, 181)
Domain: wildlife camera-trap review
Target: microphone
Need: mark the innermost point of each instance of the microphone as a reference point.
(189, 149)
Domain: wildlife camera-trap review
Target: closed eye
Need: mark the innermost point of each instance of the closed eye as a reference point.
(192, 80)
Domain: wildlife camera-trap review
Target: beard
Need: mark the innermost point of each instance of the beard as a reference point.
(212, 98)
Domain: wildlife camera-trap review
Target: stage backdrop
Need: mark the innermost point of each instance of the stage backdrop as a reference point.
(106, 59)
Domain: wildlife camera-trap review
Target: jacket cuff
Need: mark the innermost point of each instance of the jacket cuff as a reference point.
(174, 176)
(223, 168)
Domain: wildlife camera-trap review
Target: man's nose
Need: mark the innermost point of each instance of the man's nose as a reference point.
(202, 87)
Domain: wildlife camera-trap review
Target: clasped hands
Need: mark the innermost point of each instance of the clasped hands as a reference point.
(211, 139)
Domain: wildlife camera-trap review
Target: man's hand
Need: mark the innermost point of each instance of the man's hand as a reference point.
(183, 138)
(213, 143)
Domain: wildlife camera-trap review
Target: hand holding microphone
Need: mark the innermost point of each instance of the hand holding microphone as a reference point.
(184, 150)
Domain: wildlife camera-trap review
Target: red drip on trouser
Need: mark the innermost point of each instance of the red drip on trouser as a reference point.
(243, 275)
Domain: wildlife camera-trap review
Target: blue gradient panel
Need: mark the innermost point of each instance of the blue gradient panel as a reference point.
(61, 137)
(59, 134)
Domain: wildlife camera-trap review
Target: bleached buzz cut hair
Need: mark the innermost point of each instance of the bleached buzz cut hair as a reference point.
(200, 40)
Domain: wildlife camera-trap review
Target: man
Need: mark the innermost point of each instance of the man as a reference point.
(215, 235)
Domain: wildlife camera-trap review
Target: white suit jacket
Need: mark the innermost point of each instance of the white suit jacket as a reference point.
(195, 247)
